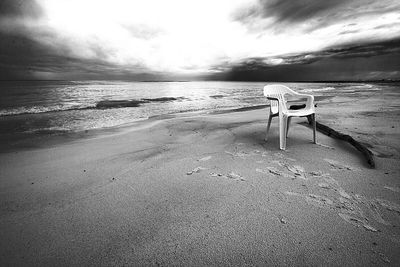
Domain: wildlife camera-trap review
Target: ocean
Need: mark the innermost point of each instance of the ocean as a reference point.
(57, 107)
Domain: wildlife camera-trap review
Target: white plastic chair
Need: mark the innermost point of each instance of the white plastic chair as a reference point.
(277, 94)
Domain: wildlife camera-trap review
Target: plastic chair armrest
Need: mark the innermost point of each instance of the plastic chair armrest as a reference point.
(310, 102)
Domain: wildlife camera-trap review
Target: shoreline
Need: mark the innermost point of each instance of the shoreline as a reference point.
(20, 141)
(46, 138)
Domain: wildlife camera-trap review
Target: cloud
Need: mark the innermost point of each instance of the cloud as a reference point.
(143, 39)
(143, 31)
(310, 14)
(289, 10)
(25, 58)
(351, 62)
(31, 50)
(20, 8)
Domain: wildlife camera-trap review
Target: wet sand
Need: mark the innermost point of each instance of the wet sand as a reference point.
(205, 189)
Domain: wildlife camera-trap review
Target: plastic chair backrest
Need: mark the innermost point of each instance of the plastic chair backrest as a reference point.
(276, 91)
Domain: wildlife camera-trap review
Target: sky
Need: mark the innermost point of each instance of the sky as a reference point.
(252, 40)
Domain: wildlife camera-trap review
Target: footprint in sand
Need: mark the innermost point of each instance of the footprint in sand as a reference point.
(332, 184)
(326, 146)
(298, 171)
(283, 220)
(231, 175)
(205, 158)
(392, 188)
(391, 206)
(325, 186)
(357, 221)
(315, 200)
(284, 157)
(348, 206)
(195, 170)
(274, 171)
(350, 210)
(338, 166)
(353, 205)
(235, 176)
(238, 154)
(319, 200)
(318, 174)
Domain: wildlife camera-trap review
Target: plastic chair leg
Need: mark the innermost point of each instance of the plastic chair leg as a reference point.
(287, 127)
(268, 126)
(282, 131)
(314, 128)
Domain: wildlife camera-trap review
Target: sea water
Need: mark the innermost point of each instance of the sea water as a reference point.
(34, 107)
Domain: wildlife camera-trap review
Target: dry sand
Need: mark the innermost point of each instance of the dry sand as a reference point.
(204, 190)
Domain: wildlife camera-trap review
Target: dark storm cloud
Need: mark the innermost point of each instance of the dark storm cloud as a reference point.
(352, 62)
(289, 10)
(363, 50)
(318, 13)
(20, 8)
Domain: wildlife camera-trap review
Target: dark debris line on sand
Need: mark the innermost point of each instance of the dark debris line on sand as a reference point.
(338, 135)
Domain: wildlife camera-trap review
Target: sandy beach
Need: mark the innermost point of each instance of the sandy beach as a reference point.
(206, 189)
(133, 133)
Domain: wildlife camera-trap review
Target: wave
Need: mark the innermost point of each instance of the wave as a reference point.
(320, 89)
(104, 104)
(134, 103)
(118, 104)
(217, 96)
(164, 99)
(40, 109)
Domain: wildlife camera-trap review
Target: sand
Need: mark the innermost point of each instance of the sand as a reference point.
(205, 189)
